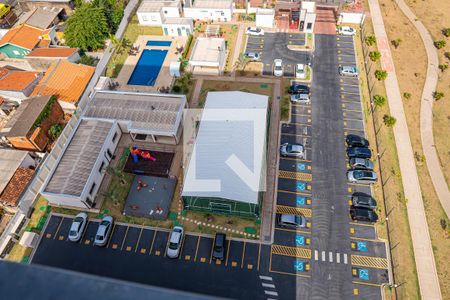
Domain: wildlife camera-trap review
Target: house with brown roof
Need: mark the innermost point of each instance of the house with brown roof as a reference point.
(16, 84)
(28, 128)
(67, 81)
(42, 17)
(40, 59)
(16, 171)
(19, 41)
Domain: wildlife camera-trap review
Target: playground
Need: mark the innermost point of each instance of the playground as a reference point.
(150, 163)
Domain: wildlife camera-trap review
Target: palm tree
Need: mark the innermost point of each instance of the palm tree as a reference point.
(242, 62)
(379, 101)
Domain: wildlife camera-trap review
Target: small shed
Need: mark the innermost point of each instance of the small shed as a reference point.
(29, 239)
(174, 68)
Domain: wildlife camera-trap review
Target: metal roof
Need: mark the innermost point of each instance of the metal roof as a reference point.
(77, 160)
(218, 140)
(147, 113)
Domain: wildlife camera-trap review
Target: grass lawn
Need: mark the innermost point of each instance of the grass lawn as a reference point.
(131, 33)
(411, 78)
(402, 253)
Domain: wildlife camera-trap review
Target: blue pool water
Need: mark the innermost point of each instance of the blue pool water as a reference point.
(148, 67)
(159, 43)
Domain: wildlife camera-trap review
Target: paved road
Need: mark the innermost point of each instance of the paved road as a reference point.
(423, 252)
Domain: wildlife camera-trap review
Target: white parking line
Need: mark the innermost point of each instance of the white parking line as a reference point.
(345, 258)
(330, 256)
(269, 285)
(265, 277)
(338, 258)
(271, 293)
(323, 256)
(316, 255)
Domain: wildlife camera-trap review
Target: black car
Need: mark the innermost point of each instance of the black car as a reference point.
(359, 152)
(219, 246)
(299, 89)
(354, 140)
(363, 214)
(363, 200)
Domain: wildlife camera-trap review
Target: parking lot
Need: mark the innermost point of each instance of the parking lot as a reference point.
(274, 46)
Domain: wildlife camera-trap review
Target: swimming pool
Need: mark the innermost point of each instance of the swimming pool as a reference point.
(148, 67)
(159, 43)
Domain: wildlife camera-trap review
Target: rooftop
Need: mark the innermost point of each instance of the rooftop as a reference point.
(208, 49)
(13, 190)
(218, 139)
(23, 36)
(11, 80)
(157, 5)
(77, 160)
(52, 52)
(150, 113)
(10, 160)
(65, 80)
(181, 21)
(42, 17)
(24, 117)
(210, 4)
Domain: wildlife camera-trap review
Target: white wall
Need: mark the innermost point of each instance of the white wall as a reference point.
(310, 19)
(265, 20)
(150, 18)
(205, 14)
(309, 6)
(172, 29)
(171, 12)
(351, 18)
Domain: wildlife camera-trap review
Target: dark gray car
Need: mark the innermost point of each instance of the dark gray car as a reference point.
(361, 163)
(363, 200)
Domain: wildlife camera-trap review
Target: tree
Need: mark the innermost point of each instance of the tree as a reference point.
(443, 67)
(406, 95)
(87, 60)
(447, 55)
(438, 95)
(54, 131)
(389, 121)
(381, 75)
(440, 44)
(374, 55)
(396, 43)
(370, 40)
(446, 31)
(379, 101)
(113, 11)
(242, 62)
(184, 82)
(87, 28)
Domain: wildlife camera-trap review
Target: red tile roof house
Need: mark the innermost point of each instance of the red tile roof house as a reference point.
(16, 171)
(40, 59)
(17, 85)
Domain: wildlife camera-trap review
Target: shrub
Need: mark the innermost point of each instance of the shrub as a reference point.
(370, 40)
(396, 43)
(374, 55)
(54, 131)
(381, 75)
(446, 31)
(440, 44)
(176, 89)
(447, 55)
(389, 121)
(443, 67)
(438, 95)
(87, 60)
(379, 100)
(406, 95)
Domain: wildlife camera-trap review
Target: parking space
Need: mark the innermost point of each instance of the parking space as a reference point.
(374, 248)
(296, 139)
(131, 240)
(235, 254)
(159, 245)
(63, 231)
(145, 241)
(117, 237)
(292, 238)
(89, 234)
(296, 129)
(294, 199)
(252, 254)
(204, 252)
(362, 231)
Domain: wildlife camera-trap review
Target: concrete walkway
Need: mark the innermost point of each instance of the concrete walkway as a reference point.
(423, 252)
(237, 48)
(426, 111)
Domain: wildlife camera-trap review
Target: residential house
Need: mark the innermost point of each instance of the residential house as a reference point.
(208, 56)
(40, 59)
(28, 128)
(76, 178)
(67, 81)
(28, 5)
(16, 171)
(265, 17)
(42, 17)
(17, 85)
(209, 10)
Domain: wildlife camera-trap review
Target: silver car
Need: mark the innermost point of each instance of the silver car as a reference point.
(361, 163)
(292, 150)
(362, 176)
(103, 231)
(346, 30)
(348, 71)
(77, 227)
(253, 56)
(278, 67)
(300, 98)
(175, 241)
(291, 221)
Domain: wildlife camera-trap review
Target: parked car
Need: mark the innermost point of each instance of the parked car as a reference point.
(253, 56)
(300, 98)
(103, 231)
(292, 150)
(77, 227)
(175, 241)
(346, 30)
(359, 152)
(219, 246)
(363, 200)
(362, 176)
(348, 71)
(300, 71)
(291, 221)
(255, 31)
(278, 67)
(299, 89)
(361, 164)
(354, 140)
(363, 214)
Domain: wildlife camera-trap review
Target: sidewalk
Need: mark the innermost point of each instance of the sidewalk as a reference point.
(426, 111)
(423, 252)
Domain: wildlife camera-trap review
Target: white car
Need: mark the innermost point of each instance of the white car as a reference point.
(300, 98)
(346, 30)
(278, 67)
(348, 71)
(300, 71)
(255, 31)
(175, 241)
(77, 227)
(103, 231)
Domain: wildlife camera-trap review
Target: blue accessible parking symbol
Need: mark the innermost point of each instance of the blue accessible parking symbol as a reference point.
(301, 186)
(300, 200)
(364, 274)
(361, 246)
(299, 240)
(301, 167)
(298, 266)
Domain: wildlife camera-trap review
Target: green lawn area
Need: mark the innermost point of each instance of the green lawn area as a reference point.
(131, 33)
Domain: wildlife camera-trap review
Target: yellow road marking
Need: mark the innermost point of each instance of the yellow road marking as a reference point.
(355, 292)
(187, 257)
(61, 237)
(196, 250)
(295, 175)
(57, 229)
(243, 255)
(153, 241)
(87, 242)
(157, 252)
(218, 262)
(233, 264)
(296, 159)
(369, 261)
(292, 230)
(352, 230)
(366, 283)
(125, 237)
(139, 238)
(182, 245)
(228, 252)
(202, 259)
(295, 193)
(128, 248)
(143, 250)
(250, 266)
(292, 274)
(110, 236)
(291, 251)
(48, 235)
(114, 246)
(259, 256)
(283, 209)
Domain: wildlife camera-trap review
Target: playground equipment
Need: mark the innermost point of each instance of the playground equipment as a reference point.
(135, 152)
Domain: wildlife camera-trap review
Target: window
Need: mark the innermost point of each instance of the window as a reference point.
(101, 167)
(154, 18)
(114, 137)
(309, 26)
(109, 153)
(92, 188)
(165, 12)
(16, 52)
(141, 137)
(144, 17)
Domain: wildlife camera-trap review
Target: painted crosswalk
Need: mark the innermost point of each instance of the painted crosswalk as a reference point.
(291, 251)
(269, 287)
(369, 261)
(329, 256)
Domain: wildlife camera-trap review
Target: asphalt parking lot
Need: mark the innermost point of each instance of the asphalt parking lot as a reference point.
(274, 46)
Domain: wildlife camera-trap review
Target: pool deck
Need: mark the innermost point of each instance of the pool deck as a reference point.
(164, 79)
